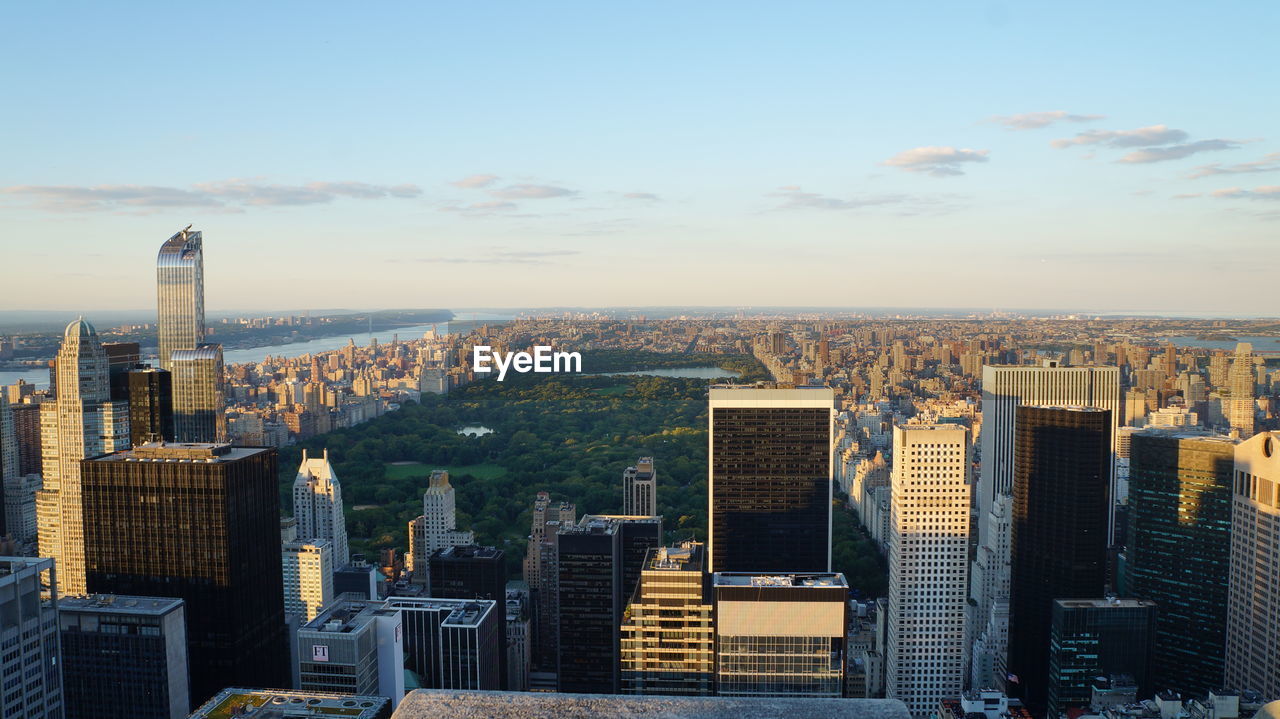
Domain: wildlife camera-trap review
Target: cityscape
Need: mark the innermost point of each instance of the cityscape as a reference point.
(572, 360)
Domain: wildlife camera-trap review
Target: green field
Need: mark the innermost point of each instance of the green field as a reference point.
(420, 469)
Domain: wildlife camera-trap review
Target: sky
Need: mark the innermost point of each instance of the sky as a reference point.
(1087, 156)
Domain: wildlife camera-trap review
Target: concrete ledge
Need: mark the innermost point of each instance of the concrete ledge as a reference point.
(439, 704)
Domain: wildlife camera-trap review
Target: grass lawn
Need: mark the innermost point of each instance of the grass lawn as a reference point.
(418, 469)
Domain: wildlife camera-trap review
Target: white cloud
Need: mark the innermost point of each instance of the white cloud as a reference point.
(1037, 120)
(225, 194)
(1176, 152)
(1141, 137)
(1269, 163)
(472, 182)
(1264, 192)
(531, 192)
(936, 161)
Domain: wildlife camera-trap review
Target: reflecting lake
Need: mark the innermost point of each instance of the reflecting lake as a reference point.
(476, 430)
(677, 372)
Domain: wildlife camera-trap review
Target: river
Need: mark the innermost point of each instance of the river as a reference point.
(40, 376)
(677, 372)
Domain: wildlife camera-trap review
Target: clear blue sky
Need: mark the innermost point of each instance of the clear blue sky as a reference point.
(612, 153)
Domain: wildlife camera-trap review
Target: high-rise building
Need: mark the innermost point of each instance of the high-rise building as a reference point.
(124, 657)
(289, 704)
(437, 527)
(542, 575)
(1179, 552)
(1253, 595)
(180, 294)
(359, 578)
(200, 522)
(668, 632)
(81, 421)
(928, 565)
(20, 495)
(308, 577)
(640, 489)
(452, 643)
(317, 505)
(769, 482)
(598, 563)
(8, 459)
(1090, 638)
(1004, 388)
(472, 572)
(198, 394)
(353, 647)
(30, 671)
(519, 640)
(26, 430)
(1061, 495)
(1239, 402)
(150, 405)
(780, 635)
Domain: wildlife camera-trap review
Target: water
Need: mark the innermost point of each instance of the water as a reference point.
(38, 377)
(677, 372)
(1260, 343)
(475, 430)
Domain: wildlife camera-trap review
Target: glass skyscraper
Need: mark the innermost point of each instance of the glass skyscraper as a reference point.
(180, 293)
(1092, 638)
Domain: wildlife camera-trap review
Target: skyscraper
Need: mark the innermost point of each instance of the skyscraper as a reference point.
(769, 482)
(473, 572)
(640, 489)
(317, 505)
(1004, 388)
(198, 394)
(437, 528)
(353, 648)
(307, 567)
(80, 422)
(542, 574)
(1059, 545)
(180, 294)
(1253, 603)
(1239, 402)
(150, 405)
(1179, 552)
(668, 634)
(8, 456)
(29, 666)
(780, 635)
(201, 523)
(1090, 638)
(124, 657)
(928, 565)
(452, 643)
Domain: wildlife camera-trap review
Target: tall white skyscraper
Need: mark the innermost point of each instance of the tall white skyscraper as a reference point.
(640, 489)
(180, 293)
(1004, 388)
(1253, 594)
(1239, 403)
(308, 577)
(437, 528)
(317, 505)
(80, 422)
(928, 566)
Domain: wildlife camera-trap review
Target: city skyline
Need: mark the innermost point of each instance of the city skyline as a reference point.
(524, 158)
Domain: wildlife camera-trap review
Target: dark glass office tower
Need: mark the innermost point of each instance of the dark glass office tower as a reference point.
(473, 572)
(770, 479)
(589, 574)
(150, 406)
(1179, 552)
(1092, 638)
(121, 357)
(1061, 498)
(198, 522)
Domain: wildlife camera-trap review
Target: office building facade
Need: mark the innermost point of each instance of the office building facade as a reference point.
(769, 479)
(780, 635)
(928, 565)
(199, 522)
(1179, 552)
(437, 528)
(150, 405)
(308, 577)
(124, 657)
(542, 575)
(1253, 594)
(1091, 638)
(198, 394)
(668, 632)
(30, 669)
(353, 647)
(452, 643)
(1059, 535)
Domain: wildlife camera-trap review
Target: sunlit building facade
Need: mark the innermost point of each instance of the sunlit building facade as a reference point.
(317, 505)
(180, 294)
(1253, 604)
(668, 633)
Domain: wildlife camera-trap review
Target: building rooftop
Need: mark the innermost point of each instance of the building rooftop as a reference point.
(13, 565)
(444, 704)
(749, 579)
(119, 604)
(188, 452)
(462, 612)
(287, 704)
(687, 557)
(468, 551)
(346, 616)
(1104, 603)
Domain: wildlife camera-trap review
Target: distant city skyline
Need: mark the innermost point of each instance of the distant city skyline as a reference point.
(993, 155)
